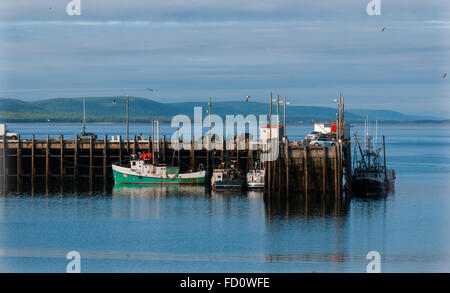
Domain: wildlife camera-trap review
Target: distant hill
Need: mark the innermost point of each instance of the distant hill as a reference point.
(112, 109)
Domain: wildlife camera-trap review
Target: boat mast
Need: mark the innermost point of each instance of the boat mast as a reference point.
(360, 150)
(128, 123)
(157, 140)
(153, 141)
(209, 112)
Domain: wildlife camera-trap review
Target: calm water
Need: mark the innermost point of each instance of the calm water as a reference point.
(185, 229)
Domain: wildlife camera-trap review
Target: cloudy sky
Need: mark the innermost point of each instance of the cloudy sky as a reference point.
(190, 49)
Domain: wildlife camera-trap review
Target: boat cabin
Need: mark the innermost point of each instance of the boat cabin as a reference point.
(144, 168)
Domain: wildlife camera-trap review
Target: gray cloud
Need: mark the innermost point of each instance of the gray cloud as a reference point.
(192, 49)
(207, 10)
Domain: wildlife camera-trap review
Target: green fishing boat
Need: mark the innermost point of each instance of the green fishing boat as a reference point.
(142, 171)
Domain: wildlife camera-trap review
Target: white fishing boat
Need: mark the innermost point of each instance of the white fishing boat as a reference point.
(255, 177)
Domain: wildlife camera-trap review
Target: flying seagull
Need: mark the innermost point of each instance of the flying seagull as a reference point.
(247, 98)
(150, 89)
(444, 76)
(382, 30)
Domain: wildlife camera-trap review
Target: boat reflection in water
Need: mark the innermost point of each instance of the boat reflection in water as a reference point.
(255, 194)
(150, 202)
(237, 195)
(158, 191)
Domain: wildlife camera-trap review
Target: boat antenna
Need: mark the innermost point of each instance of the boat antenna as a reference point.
(84, 115)
(365, 133)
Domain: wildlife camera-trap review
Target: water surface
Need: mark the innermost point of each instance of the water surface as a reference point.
(187, 229)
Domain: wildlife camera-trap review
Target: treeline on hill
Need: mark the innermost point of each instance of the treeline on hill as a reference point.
(113, 109)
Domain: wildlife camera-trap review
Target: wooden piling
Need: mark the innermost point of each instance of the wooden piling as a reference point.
(5, 170)
(286, 158)
(341, 168)
(222, 154)
(75, 157)
(305, 167)
(19, 160)
(207, 155)
(164, 148)
(348, 172)
(120, 150)
(324, 171)
(249, 153)
(149, 146)
(237, 156)
(61, 156)
(105, 155)
(335, 171)
(32, 160)
(269, 175)
(272, 174)
(179, 154)
(47, 159)
(91, 160)
(279, 169)
(192, 154)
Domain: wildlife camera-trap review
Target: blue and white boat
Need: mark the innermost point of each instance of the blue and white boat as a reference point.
(226, 178)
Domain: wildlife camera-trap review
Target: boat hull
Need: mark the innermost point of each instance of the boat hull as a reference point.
(124, 176)
(367, 187)
(227, 185)
(255, 185)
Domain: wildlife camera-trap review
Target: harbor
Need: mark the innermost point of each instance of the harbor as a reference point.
(319, 166)
(313, 169)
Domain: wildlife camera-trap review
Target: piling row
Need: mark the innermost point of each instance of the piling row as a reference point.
(309, 170)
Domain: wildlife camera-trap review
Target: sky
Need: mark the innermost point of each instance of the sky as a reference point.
(188, 50)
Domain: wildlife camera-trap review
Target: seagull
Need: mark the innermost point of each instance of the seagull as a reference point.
(382, 30)
(247, 98)
(150, 89)
(444, 76)
(114, 101)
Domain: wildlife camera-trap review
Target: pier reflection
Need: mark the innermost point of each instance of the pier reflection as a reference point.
(282, 207)
(243, 203)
